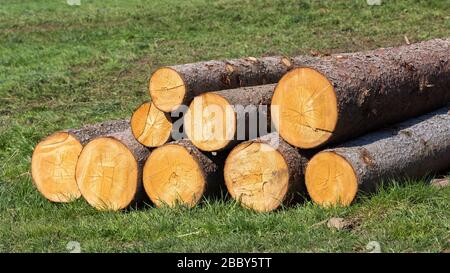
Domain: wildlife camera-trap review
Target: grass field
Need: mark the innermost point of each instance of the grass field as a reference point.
(64, 66)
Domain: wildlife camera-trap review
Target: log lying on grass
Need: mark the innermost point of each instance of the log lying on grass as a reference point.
(346, 95)
(177, 173)
(265, 173)
(109, 171)
(150, 126)
(173, 86)
(55, 157)
(218, 120)
(414, 149)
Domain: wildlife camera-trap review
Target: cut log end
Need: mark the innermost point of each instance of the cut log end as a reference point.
(304, 108)
(53, 167)
(167, 89)
(150, 126)
(107, 174)
(331, 180)
(257, 176)
(210, 122)
(172, 176)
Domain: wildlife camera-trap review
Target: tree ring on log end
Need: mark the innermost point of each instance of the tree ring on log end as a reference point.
(210, 122)
(304, 108)
(257, 176)
(53, 167)
(107, 174)
(150, 126)
(167, 89)
(173, 176)
(331, 180)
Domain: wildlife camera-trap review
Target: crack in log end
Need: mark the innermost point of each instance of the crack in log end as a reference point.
(53, 167)
(107, 174)
(167, 89)
(150, 126)
(172, 176)
(257, 176)
(330, 180)
(304, 108)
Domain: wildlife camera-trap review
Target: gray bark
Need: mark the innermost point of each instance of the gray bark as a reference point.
(88, 132)
(412, 149)
(387, 85)
(208, 76)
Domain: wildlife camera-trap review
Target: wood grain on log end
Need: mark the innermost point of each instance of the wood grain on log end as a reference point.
(53, 167)
(261, 176)
(107, 174)
(174, 176)
(167, 89)
(210, 122)
(331, 180)
(304, 108)
(150, 126)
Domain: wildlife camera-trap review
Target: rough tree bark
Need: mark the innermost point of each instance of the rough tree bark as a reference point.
(109, 171)
(55, 157)
(173, 86)
(220, 120)
(177, 173)
(265, 173)
(345, 95)
(412, 149)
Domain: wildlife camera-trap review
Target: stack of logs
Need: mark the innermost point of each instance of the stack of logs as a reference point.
(326, 110)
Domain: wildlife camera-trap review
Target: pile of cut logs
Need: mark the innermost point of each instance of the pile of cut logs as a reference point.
(343, 125)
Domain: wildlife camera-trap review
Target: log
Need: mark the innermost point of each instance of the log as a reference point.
(173, 86)
(413, 149)
(109, 171)
(265, 173)
(219, 120)
(150, 126)
(55, 157)
(346, 95)
(178, 173)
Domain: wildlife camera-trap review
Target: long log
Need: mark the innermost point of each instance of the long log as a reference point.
(55, 157)
(150, 126)
(346, 95)
(109, 171)
(178, 173)
(219, 120)
(413, 149)
(172, 86)
(265, 173)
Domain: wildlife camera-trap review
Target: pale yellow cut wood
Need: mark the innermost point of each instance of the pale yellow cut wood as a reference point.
(167, 89)
(53, 167)
(257, 176)
(172, 176)
(304, 108)
(107, 174)
(210, 122)
(150, 126)
(331, 180)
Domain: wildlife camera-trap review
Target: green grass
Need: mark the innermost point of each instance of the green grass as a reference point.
(63, 66)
